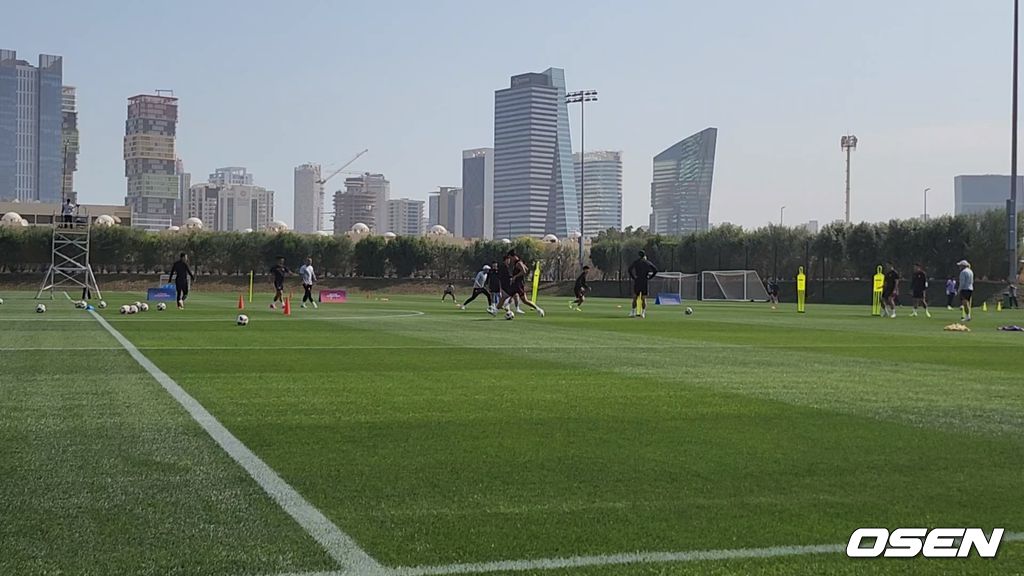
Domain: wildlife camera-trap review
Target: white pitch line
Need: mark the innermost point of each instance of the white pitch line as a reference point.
(339, 545)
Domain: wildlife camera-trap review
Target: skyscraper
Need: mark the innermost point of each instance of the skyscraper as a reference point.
(406, 216)
(31, 122)
(308, 198)
(602, 191)
(69, 138)
(478, 193)
(446, 209)
(149, 161)
(534, 184)
(681, 189)
(231, 207)
(364, 200)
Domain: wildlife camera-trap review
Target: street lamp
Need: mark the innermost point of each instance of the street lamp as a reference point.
(782, 213)
(848, 143)
(924, 215)
(582, 97)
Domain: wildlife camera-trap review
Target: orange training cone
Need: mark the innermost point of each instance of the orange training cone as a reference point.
(287, 306)
(241, 303)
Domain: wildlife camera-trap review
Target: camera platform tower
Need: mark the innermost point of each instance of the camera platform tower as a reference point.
(69, 260)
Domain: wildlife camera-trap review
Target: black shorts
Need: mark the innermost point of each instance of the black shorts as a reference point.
(966, 294)
(520, 289)
(182, 288)
(886, 294)
(918, 294)
(579, 292)
(279, 287)
(640, 289)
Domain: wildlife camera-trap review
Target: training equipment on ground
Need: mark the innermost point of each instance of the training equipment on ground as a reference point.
(682, 286)
(40, 308)
(242, 320)
(124, 309)
(509, 315)
(956, 327)
(161, 306)
(1, 301)
(133, 309)
(734, 285)
(689, 310)
(102, 304)
(144, 307)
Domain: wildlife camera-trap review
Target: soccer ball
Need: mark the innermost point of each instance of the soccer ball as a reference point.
(138, 305)
(1, 301)
(242, 320)
(509, 315)
(125, 309)
(689, 310)
(103, 304)
(144, 307)
(161, 306)
(81, 304)
(133, 309)
(40, 308)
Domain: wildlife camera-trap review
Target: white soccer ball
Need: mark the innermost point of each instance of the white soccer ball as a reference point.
(103, 304)
(161, 306)
(144, 307)
(1, 301)
(81, 304)
(509, 315)
(125, 309)
(138, 305)
(242, 320)
(40, 308)
(689, 310)
(133, 309)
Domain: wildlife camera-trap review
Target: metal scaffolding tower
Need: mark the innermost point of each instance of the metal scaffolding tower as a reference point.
(69, 260)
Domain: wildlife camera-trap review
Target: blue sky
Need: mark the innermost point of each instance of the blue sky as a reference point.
(269, 85)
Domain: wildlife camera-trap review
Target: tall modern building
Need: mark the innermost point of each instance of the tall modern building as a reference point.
(31, 124)
(477, 194)
(364, 200)
(69, 141)
(150, 161)
(231, 207)
(681, 189)
(602, 190)
(446, 205)
(534, 184)
(977, 194)
(308, 198)
(184, 180)
(406, 216)
(231, 176)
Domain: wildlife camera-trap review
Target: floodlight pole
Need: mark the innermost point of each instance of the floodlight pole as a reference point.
(1011, 204)
(582, 97)
(924, 215)
(848, 143)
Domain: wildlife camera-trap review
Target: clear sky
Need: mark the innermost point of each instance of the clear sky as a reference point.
(924, 84)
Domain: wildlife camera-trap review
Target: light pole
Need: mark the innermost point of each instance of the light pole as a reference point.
(1011, 204)
(924, 215)
(848, 143)
(782, 214)
(582, 97)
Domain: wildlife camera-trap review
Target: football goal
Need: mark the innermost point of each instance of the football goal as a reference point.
(684, 286)
(734, 285)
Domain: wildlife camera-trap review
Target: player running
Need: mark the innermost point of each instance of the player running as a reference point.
(919, 290)
(773, 292)
(479, 287)
(279, 271)
(181, 275)
(580, 290)
(518, 272)
(308, 275)
(641, 271)
(950, 292)
(449, 290)
(494, 287)
(966, 289)
(889, 289)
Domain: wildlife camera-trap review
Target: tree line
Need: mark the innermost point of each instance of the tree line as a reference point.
(836, 251)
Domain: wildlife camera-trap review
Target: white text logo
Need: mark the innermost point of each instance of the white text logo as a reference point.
(911, 542)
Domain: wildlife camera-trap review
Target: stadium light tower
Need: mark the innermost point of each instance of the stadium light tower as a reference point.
(582, 97)
(848, 143)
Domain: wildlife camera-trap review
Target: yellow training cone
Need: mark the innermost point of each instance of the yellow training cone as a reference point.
(984, 306)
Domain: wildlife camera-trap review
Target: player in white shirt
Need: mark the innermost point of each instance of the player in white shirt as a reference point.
(308, 276)
(479, 287)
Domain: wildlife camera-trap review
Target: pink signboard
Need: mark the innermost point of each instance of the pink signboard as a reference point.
(333, 296)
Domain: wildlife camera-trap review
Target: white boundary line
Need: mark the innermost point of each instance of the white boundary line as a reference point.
(340, 546)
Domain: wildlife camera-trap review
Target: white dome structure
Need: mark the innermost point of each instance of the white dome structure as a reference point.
(117, 220)
(173, 228)
(247, 230)
(438, 230)
(104, 221)
(506, 241)
(193, 223)
(551, 239)
(277, 226)
(360, 228)
(575, 235)
(11, 219)
(390, 236)
(324, 233)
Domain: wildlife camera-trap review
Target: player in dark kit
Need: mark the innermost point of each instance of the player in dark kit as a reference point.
(580, 290)
(181, 274)
(919, 289)
(889, 289)
(641, 271)
(449, 290)
(494, 287)
(279, 271)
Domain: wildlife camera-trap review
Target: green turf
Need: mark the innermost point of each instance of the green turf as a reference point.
(449, 436)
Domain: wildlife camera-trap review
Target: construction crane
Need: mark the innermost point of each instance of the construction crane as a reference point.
(323, 181)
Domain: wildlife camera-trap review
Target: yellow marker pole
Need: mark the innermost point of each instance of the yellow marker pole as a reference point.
(536, 281)
(250, 286)
(801, 291)
(876, 292)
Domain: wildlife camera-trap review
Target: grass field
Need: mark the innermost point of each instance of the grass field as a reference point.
(444, 441)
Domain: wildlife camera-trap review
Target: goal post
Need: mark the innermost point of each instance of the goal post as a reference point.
(732, 285)
(683, 286)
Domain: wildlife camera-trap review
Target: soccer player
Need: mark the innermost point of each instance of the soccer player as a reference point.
(1011, 294)
(479, 287)
(966, 289)
(889, 289)
(279, 271)
(580, 289)
(773, 292)
(308, 275)
(919, 289)
(504, 282)
(494, 287)
(641, 271)
(950, 292)
(519, 273)
(181, 274)
(449, 290)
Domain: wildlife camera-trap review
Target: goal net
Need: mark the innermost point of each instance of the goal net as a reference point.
(735, 285)
(678, 283)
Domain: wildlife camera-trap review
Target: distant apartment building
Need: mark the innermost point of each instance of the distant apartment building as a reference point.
(364, 200)
(977, 194)
(600, 173)
(31, 128)
(150, 161)
(477, 194)
(69, 141)
(406, 217)
(446, 209)
(308, 198)
(681, 188)
(231, 207)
